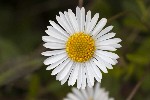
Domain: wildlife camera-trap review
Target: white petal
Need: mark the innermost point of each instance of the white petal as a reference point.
(54, 52)
(104, 31)
(65, 71)
(99, 26)
(107, 59)
(69, 22)
(73, 20)
(109, 66)
(87, 23)
(56, 64)
(60, 67)
(110, 41)
(84, 77)
(52, 39)
(93, 23)
(78, 16)
(107, 47)
(79, 79)
(100, 65)
(93, 72)
(55, 58)
(54, 45)
(90, 74)
(54, 33)
(57, 27)
(63, 22)
(66, 77)
(109, 54)
(74, 75)
(115, 45)
(88, 80)
(106, 36)
(96, 70)
(82, 19)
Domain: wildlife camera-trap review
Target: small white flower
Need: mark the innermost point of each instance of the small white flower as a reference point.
(80, 48)
(94, 93)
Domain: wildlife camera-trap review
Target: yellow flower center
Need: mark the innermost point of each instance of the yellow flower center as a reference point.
(80, 47)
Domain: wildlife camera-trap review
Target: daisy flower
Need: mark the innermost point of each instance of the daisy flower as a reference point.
(79, 48)
(94, 93)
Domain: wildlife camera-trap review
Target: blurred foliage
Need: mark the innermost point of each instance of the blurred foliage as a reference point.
(22, 73)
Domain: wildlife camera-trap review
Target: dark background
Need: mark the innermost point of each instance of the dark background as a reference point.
(23, 23)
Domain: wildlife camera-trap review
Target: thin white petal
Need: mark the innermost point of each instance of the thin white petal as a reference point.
(73, 20)
(115, 45)
(109, 54)
(82, 19)
(110, 41)
(66, 77)
(78, 16)
(54, 33)
(69, 22)
(54, 45)
(93, 23)
(83, 77)
(60, 67)
(57, 27)
(63, 22)
(106, 36)
(93, 72)
(74, 75)
(56, 64)
(54, 59)
(96, 69)
(52, 39)
(79, 80)
(107, 59)
(87, 23)
(99, 26)
(104, 31)
(90, 74)
(100, 65)
(107, 47)
(54, 52)
(65, 71)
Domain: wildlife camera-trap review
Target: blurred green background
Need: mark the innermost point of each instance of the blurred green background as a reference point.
(23, 23)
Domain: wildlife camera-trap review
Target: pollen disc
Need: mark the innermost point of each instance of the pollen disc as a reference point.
(80, 47)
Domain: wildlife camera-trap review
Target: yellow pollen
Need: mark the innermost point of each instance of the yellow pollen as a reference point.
(80, 47)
